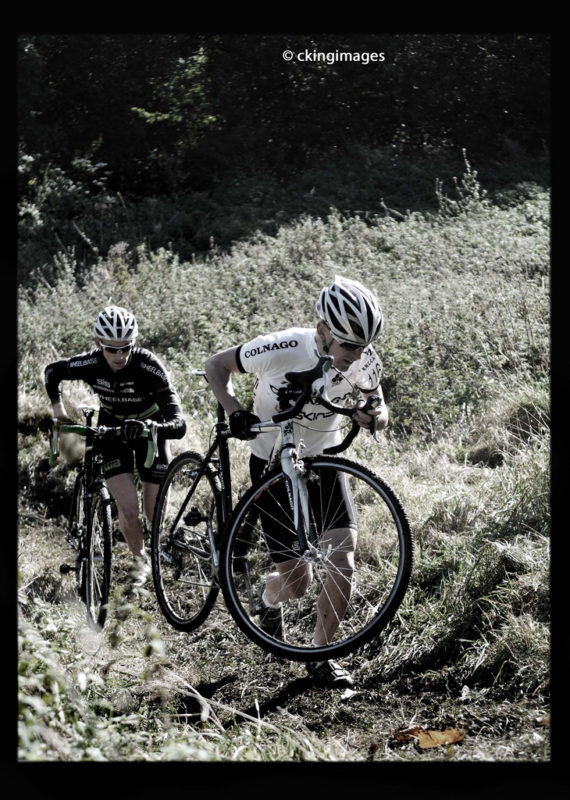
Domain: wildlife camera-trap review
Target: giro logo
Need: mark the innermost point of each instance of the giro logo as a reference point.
(257, 351)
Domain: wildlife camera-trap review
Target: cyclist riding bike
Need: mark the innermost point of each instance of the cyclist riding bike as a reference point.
(133, 388)
(349, 319)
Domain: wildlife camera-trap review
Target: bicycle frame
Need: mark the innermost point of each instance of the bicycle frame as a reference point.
(92, 461)
(291, 463)
(219, 446)
(289, 453)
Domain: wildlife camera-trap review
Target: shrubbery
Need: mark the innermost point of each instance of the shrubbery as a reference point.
(464, 294)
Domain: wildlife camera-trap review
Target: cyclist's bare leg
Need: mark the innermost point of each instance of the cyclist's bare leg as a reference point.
(335, 594)
(122, 487)
(290, 581)
(149, 494)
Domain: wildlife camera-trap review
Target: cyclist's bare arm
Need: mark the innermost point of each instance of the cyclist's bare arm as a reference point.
(59, 412)
(219, 369)
(54, 376)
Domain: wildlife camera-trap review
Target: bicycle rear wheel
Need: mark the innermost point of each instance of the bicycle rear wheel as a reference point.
(361, 600)
(185, 528)
(98, 561)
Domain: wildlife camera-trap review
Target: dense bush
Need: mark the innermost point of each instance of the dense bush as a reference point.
(464, 291)
(74, 212)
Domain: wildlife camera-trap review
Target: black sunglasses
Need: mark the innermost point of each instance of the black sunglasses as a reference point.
(110, 349)
(352, 346)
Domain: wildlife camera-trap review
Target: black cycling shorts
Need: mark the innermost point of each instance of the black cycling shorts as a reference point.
(331, 505)
(120, 457)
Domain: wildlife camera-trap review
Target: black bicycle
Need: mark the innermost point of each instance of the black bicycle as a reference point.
(89, 529)
(293, 512)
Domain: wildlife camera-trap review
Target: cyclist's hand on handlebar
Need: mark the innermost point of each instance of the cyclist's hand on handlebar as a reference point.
(371, 414)
(132, 429)
(240, 422)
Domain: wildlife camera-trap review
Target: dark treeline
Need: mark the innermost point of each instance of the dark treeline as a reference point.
(156, 115)
(172, 111)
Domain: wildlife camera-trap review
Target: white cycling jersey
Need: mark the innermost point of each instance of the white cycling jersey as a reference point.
(270, 356)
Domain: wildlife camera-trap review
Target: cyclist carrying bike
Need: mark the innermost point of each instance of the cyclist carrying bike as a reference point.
(349, 320)
(133, 388)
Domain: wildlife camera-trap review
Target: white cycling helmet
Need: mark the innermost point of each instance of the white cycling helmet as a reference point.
(117, 324)
(351, 311)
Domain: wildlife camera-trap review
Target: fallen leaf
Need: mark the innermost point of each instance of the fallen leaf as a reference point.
(428, 739)
(400, 737)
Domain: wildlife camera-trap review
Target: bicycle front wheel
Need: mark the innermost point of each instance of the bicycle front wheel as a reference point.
(98, 562)
(76, 534)
(185, 528)
(346, 585)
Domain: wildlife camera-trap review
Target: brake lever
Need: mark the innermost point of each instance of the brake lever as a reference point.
(371, 403)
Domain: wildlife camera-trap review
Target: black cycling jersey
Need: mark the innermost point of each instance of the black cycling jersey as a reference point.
(140, 390)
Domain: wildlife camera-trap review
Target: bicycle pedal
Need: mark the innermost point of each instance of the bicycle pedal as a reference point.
(193, 518)
(65, 568)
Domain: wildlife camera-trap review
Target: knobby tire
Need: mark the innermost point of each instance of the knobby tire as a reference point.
(99, 557)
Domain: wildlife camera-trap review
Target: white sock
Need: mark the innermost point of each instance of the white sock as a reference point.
(265, 601)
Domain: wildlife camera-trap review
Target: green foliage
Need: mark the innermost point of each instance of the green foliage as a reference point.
(90, 220)
(75, 707)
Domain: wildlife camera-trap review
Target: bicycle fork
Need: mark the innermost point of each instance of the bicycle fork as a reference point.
(77, 542)
(296, 480)
(298, 494)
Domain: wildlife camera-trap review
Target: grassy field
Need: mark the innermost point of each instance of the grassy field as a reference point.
(466, 351)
